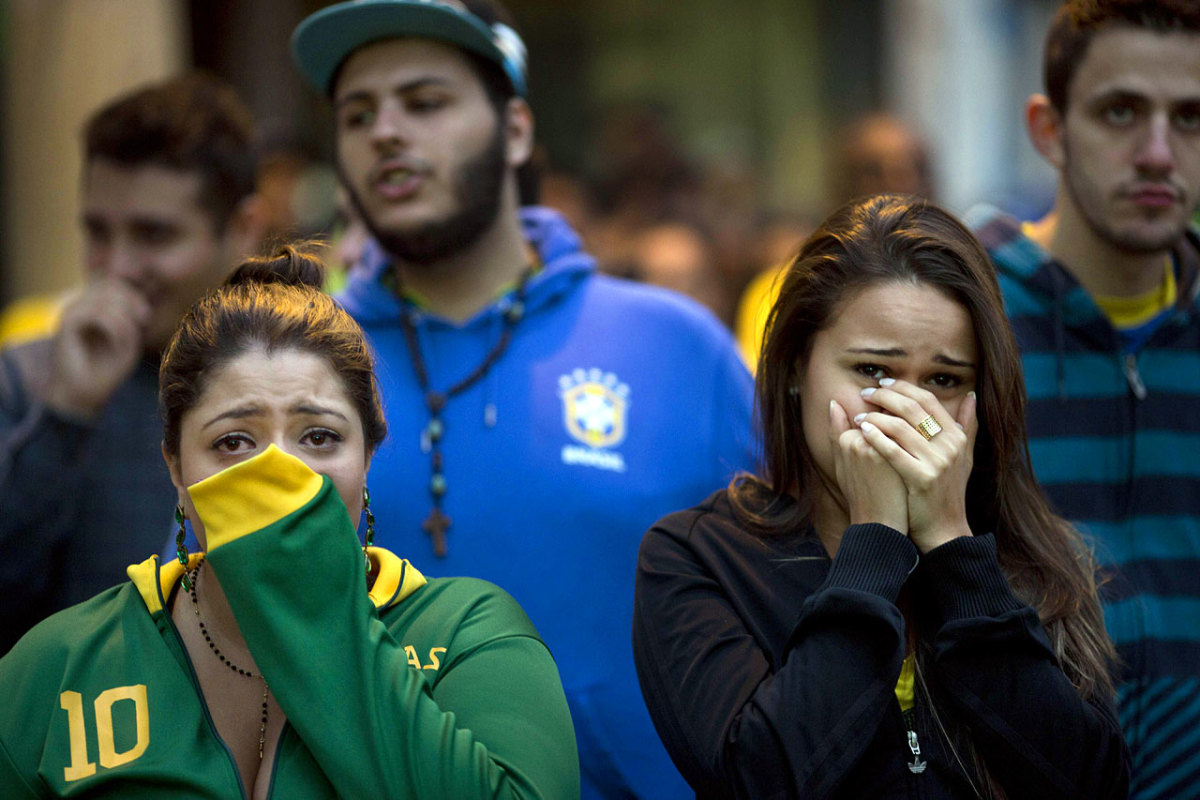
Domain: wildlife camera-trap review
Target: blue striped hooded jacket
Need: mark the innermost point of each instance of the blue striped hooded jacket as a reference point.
(1115, 442)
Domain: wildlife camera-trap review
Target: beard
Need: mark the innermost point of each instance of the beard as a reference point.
(1134, 239)
(476, 185)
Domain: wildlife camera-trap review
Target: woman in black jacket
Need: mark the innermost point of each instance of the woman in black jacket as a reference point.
(891, 609)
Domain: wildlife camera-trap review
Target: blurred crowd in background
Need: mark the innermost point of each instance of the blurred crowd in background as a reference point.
(694, 150)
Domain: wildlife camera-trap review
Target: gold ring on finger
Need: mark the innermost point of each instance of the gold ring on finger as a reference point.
(929, 427)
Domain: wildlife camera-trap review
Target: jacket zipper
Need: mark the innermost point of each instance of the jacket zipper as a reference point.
(1134, 378)
(916, 766)
(212, 726)
(1139, 393)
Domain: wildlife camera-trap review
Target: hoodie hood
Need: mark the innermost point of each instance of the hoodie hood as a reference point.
(1046, 286)
(1044, 281)
(369, 299)
(1035, 286)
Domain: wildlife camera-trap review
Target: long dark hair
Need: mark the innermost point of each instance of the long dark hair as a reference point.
(275, 303)
(888, 238)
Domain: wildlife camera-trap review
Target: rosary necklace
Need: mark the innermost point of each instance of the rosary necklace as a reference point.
(437, 523)
(262, 729)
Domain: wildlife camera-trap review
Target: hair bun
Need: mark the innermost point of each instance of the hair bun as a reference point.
(292, 265)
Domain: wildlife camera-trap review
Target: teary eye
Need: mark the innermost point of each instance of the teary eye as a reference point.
(872, 371)
(945, 380)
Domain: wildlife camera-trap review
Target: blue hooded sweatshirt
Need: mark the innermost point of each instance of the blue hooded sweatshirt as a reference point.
(614, 404)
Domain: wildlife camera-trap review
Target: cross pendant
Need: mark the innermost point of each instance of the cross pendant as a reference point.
(435, 525)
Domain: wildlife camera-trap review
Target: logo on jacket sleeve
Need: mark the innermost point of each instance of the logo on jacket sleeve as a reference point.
(595, 407)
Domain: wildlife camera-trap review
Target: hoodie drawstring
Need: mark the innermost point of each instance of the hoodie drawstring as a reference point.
(491, 385)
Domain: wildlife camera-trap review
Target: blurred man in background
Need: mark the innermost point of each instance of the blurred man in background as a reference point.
(678, 255)
(1102, 294)
(872, 154)
(541, 416)
(168, 209)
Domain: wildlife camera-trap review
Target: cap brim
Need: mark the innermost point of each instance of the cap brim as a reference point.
(324, 40)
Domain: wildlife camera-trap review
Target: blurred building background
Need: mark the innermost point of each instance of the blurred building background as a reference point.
(652, 114)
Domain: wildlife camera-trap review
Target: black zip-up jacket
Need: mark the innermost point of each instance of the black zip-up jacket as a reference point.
(770, 670)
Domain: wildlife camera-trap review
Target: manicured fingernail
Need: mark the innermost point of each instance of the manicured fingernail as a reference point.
(867, 427)
(867, 392)
(960, 425)
(886, 381)
(859, 418)
(971, 395)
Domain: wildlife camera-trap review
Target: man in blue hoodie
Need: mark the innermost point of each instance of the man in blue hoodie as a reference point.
(542, 416)
(1102, 294)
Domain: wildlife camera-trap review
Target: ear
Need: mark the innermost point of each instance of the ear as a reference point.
(1045, 128)
(518, 131)
(176, 474)
(246, 227)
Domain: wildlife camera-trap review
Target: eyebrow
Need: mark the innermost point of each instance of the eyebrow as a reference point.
(365, 96)
(1116, 94)
(317, 411)
(242, 412)
(896, 352)
(92, 218)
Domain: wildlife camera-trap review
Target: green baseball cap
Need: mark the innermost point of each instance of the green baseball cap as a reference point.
(326, 38)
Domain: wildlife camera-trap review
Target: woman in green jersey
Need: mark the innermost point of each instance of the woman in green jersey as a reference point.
(287, 659)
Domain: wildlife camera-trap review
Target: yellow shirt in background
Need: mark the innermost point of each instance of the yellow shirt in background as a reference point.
(753, 310)
(30, 318)
(1130, 312)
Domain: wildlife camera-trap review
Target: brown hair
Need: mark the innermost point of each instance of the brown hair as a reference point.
(901, 238)
(274, 303)
(191, 123)
(1078, 21)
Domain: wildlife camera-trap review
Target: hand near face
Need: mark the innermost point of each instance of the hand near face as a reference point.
(873, 490)
(934, 471)
(99, 341)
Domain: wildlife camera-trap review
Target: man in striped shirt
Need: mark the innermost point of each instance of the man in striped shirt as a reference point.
(1102, 294)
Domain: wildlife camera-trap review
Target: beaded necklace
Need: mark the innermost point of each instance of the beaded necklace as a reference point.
(437, 523)
(262, 729)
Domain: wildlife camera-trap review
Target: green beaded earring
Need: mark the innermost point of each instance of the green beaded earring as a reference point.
(181, 551)
(369, 539)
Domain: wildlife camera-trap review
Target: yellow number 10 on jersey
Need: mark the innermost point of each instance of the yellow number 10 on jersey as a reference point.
(72, 703)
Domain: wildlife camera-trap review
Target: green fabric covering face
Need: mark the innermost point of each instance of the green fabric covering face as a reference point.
(450, 693)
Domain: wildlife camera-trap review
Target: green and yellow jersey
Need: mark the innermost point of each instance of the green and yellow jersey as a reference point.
(435, 688)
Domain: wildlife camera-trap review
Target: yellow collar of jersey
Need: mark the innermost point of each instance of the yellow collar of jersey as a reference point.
(248, 497)
(396, 579)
